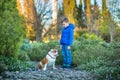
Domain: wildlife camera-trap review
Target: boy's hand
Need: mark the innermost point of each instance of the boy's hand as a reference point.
(60, 46)
(69, 47)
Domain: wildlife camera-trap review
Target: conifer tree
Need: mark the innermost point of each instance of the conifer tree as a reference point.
(11, 28)
(81, 17)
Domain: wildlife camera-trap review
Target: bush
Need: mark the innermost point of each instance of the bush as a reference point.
(92, 54)
(100, 58)
(23, 56)
(11, 28)
(109, 71)
(87, 47)
(40, 49)
(105, 66)
(26, 45)
(86, 53)
(117, 34)
(89, 38)
(14, 64)
(3, 67)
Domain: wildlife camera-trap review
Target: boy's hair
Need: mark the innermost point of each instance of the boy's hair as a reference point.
(65, 20)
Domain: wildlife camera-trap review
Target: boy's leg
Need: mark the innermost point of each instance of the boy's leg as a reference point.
(69, 58)
(64, 55)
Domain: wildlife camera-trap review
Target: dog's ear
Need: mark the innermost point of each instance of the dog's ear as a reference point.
(52, 50)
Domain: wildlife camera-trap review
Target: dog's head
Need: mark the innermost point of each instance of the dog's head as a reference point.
(54, 52)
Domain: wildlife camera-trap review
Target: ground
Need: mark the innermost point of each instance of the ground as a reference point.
(49, 74)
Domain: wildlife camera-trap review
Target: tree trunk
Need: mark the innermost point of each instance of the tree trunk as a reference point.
(111, 30)
(88, 14)
(69, 10)
(95, 18)
(107, 19)
(27, 10)
(38, 35)
(54, 19)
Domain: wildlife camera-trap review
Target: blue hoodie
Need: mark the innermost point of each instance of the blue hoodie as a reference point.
(67, 35)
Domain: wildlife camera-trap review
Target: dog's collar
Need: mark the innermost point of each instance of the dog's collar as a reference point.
(51, 56)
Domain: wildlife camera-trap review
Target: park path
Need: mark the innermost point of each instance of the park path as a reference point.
(50, 74)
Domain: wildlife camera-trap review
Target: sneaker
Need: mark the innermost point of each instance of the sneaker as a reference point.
(66, 66)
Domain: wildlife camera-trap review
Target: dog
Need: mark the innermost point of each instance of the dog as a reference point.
(49, 59)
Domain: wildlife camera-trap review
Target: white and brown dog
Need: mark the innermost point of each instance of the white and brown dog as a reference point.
(49, 59)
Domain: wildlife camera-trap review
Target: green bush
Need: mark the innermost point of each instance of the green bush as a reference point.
(88, 47)
(117, 34)
(108, 71)
(99, 60)
(40, 49)
(14, 64)
(92, 54)
(87, 38)
(26, 45)
(22, 55)
(11, 28)
(115, 44)
(3, 67)
(105, 66)
(86, 53)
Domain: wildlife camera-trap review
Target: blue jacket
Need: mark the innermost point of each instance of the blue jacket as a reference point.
(67, 35)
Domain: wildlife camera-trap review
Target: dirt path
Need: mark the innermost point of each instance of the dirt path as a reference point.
(58, 74)
(49, 74)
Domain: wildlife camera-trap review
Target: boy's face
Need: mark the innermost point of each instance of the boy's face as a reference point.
(65, 24)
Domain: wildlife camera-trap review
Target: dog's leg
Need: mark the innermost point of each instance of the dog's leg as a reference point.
(45, 67)
(54, 66)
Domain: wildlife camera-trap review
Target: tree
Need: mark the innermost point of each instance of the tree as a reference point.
(60, 17)
(36, 14)
(88, 14)
(54, 18)
(43, 15)
(70, 10)
(81, 17)
(113, 7)
(95, 17)
(11, 28)
(27, 10)
(107, 20)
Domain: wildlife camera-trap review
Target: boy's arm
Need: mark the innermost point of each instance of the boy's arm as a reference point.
(71, 36)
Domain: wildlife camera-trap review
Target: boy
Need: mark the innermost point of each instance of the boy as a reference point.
(66, 41)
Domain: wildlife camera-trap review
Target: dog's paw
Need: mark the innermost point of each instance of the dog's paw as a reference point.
(54, 68)
(44, 69)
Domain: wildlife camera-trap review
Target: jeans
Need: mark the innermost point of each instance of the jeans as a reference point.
(66, 54)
